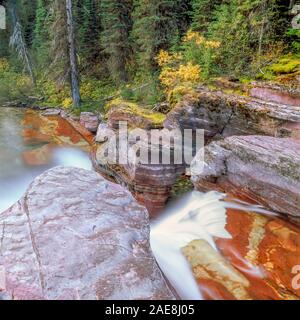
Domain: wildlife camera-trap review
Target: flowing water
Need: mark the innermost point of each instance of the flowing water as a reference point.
(213, 246)
(208, 248)
(31, 144)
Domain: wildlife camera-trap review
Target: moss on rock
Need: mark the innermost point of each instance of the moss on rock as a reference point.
(126, 107)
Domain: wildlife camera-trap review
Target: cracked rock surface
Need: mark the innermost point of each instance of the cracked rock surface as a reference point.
(75, 235)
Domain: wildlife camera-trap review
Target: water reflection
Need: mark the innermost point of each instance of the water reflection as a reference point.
(31, 144)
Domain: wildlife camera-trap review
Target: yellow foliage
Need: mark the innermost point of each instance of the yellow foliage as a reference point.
(4, 65)
(193, 36)
(54, 95)
(23, 81)
(198, 39)
(178, 73)
(213, 44)
(67, 103)
(163, 58)
(188, 73)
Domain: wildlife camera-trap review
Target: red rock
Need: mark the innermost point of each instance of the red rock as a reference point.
(256, 264)
(266, 168)
(224, 114)
(75, 235)
(277, 94)
(90, 121)
(150, 184)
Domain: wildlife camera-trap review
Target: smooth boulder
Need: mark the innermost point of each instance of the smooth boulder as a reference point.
(75, 235)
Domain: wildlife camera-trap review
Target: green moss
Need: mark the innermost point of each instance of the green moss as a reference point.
(286, 65)
(156, 118)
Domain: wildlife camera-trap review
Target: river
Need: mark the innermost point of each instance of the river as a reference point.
(249, 256)
(31, 144)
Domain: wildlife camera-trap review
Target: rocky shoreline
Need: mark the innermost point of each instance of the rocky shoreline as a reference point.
(252, 137)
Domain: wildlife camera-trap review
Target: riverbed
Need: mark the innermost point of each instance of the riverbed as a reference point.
(30, 144)
(257, 261)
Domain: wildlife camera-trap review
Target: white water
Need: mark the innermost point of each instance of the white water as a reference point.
(22, 157)
(12, 187)
(197, 216)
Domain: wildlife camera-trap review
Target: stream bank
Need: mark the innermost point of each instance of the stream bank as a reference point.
(257, 263)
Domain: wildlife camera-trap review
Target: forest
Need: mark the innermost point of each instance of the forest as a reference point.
(142, 51)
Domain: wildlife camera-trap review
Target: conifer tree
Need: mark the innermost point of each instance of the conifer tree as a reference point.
(202, 13)
(41, 41)
(155, 28)
(88, 28)
(117, 24)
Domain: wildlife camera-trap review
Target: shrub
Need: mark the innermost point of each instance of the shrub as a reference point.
(12, 84)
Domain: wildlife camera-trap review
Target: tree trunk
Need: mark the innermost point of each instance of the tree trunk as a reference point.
(262, 30)
(73, 56)
(292, 3)
(17, 42)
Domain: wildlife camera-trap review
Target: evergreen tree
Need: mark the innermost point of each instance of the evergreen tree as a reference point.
(60, 69)
(245, 30)
(117, 24)
(202, 13)
(88, 28)
(27, 11)
(41, 41)
(155, 28)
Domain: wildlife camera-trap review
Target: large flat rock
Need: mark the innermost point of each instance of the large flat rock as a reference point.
(267, 168)
(75, 235)
(225, 114)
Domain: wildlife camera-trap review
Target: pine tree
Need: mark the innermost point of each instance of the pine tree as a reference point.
(60, 69)
(73, 63)
(41, 41)
(88, 28)
(155, 28)
(41, 32)
(202, 13)
(117, 24)
(18, 42)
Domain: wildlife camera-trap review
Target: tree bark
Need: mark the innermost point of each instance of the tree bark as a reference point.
(73, 56)
(17, 41)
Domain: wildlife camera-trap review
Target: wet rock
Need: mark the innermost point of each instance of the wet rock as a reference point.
(256, 264)
(150, 183)
(74, 235)
(52, 112)
(208, 264)
(90, 121)
(266, 168)
(223, 114)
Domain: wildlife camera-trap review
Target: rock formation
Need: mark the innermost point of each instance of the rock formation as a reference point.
(74, 235)
(257, 111)
(266, 168)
